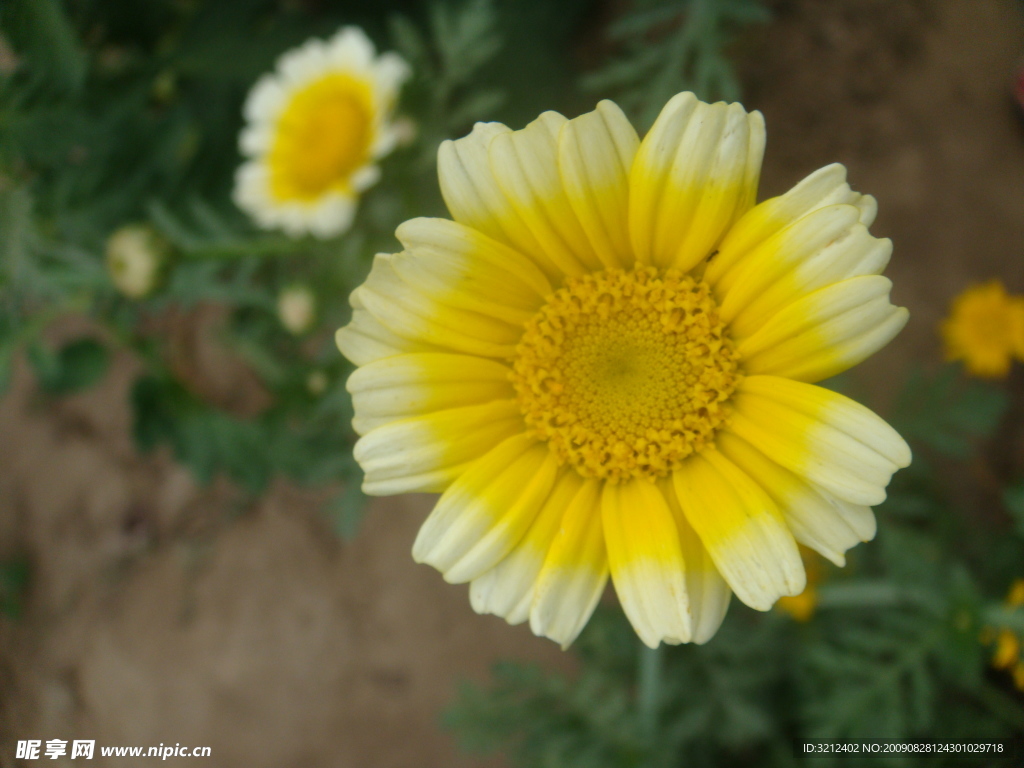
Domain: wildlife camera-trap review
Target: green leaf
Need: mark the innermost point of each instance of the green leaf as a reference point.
(14, 580)
(949, 413)
(154, 412)
(6, 367)
(409, 42)
(16, 211)
(1013, 498)
(346, 510)
(204, 438)
(83, 363)
(78, 365)
(42, 32)
(667, 47)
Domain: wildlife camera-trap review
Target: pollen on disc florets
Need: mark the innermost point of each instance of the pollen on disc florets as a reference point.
(625, 373)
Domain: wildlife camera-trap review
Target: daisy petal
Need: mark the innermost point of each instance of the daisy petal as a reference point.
(859, 517)
(826, 246)
(695, 173)
(575, 571)
(409, 385)
(525, 165)
(351, 49)
(820, 435)
(595, 154)
(825, 332)
(331, 215)
(265, 100)
(474, 197)
(364, 340)
(646, 561)
(507, 589)
(391, 72)
(708, 592)
(826, 186)
(815, 517)
(304, 63)
(486, 511)
(464, 268)
(426, 453)
(741, 528)
(418, 315)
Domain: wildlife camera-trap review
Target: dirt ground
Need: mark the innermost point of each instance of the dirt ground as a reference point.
(160, 612)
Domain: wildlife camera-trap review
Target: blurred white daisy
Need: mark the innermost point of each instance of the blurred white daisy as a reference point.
(314, 129)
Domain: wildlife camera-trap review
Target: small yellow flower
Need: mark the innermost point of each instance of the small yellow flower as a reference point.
(135, 256)
(315, 128)
(296, 308)
(1007, 650)
(801, 607)
(985, 329)
(1007, 654)
(1015, 598)
(606, 364)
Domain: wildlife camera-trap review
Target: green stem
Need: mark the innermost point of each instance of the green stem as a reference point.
(648, 696)
(875, 593)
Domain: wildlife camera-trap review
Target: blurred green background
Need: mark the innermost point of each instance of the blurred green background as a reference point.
(185, 556)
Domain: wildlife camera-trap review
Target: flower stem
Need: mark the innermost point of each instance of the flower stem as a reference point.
(648, 697)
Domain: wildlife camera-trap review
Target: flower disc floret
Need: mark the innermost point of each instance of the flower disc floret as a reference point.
(626, 373)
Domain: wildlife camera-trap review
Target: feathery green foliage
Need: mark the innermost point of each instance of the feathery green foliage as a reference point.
(668, 47)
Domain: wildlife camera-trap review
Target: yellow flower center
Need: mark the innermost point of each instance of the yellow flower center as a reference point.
(322, 136)
(626, 373)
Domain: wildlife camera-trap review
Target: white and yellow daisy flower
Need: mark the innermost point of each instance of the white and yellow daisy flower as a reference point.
(315, 127)
(606, 364)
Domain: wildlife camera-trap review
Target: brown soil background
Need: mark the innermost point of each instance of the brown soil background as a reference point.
(162, 612)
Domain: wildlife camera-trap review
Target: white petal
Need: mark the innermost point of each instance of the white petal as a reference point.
(575, 571)
(709, 594)
(819, 435)
(426, 453)
(595, 154)
(695, 173)
(741, 528)
(525, 166)
(507, 589)
(487, 510)
(646, 561)
(825, 332)
(407, 385)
